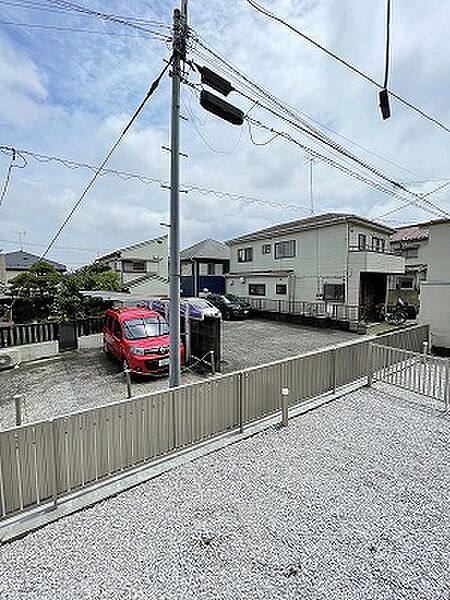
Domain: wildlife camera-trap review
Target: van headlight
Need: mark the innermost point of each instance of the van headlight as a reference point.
(137, 351)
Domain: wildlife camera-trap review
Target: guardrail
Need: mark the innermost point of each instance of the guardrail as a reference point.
(44, 461)
(335, 311)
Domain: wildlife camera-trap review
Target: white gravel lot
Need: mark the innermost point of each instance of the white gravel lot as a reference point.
(350, 502)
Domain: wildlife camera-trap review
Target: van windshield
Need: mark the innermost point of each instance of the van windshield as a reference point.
(145, 327)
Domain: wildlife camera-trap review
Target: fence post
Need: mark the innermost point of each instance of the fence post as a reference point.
(55, 464)
(334, 370)
(447, 387)
(284, 406)
(370, 365)
(240, 403)
(127, 375)
(18, 409)
(213, 362)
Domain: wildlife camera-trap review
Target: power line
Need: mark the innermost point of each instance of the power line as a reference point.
(151, 90)
(294, 112)
(408, 202)
(388, 43)
(126, 176)
(437, 211)
(346, 64)
(11, 166)
(57, 6)
(147, 34)
(44, 245)
(280, 111)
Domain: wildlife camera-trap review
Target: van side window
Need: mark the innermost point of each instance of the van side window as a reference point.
(116, 329)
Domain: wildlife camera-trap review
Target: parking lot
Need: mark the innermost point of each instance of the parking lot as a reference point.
(84, 379)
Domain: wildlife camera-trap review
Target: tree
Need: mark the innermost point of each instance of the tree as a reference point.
(34, 292)
(70, 304)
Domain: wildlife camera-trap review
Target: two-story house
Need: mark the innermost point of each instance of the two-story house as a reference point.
(20, 261)
(412, 243)
(336, 258)
(204, 266)
(142, 267)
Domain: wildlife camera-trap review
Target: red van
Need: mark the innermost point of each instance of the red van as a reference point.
(139, 338)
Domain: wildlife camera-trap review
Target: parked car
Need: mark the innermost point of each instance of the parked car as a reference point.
(202, 306)
(230, 306)
(139, 338)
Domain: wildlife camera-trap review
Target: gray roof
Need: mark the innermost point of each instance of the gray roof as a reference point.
(117, 252)
(309, 223)
(22, 261)
(206, 250)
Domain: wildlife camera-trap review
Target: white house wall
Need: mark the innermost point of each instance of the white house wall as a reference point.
(321, 257)
(435, 312)
(438, 252)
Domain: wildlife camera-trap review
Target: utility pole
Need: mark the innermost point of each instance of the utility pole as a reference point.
(179, 49)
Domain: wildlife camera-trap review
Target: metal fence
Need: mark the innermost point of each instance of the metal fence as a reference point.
(419, 373)
(335, 311)
(30, 333)
(89, 325)
(42, 462)
(33, 333)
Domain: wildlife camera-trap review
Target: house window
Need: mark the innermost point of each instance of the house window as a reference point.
(334, 292)
(378, 244)
(257, 289)
(412, 252)
(285, 249)
(134, 266)
(362, 241)
(266, 249)
(281, 289)
(406, 283)
(245, 255)
(211, 269)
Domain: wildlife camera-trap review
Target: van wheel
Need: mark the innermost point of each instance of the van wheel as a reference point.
(226, 316)
(106, 349)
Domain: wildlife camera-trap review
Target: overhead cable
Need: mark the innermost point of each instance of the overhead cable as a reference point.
(263, 10)
(99, 169)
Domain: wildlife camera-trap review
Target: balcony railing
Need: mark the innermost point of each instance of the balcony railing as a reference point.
(371, 249)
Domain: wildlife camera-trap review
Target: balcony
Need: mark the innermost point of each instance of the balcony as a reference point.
(370, 260)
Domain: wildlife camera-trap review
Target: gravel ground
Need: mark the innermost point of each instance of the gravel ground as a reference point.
(349, 502)
(77, 380)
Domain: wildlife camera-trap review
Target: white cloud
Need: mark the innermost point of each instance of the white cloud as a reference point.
(70, 95)
(23, 87)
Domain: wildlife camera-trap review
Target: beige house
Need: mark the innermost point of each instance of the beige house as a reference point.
(142, 267)
(412, 243)
(331, 257)
(435, 291)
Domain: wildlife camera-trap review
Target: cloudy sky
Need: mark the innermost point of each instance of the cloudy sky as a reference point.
(68, 94)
